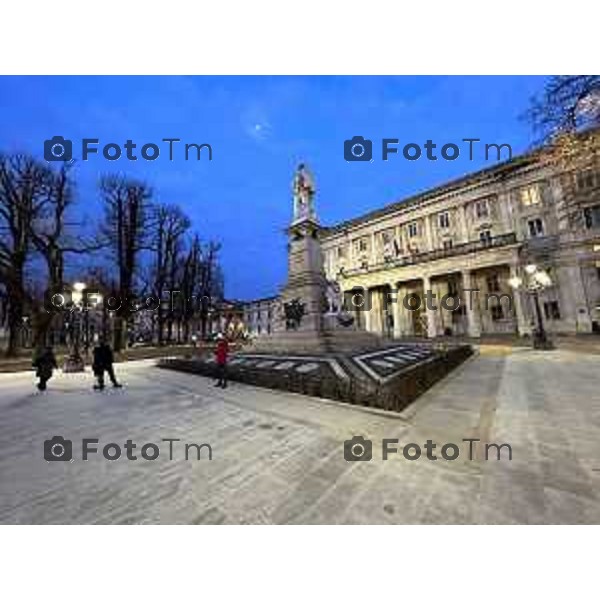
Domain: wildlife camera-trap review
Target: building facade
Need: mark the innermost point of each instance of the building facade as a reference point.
(259, 316)
(468, 241)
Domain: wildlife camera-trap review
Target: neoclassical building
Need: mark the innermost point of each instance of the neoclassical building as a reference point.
(476, 233)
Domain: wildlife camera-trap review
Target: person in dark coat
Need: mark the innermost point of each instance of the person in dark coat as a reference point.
(44, 363)
(103, 362)
(221, 352)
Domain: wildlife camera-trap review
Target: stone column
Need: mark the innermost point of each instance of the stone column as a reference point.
(577, 311)
(471, 300)
(431, 314)
(374, 257)
(398, 310)
(375, 311)
(462, 220)
(367, 315)
(523, 321)
(428, 233)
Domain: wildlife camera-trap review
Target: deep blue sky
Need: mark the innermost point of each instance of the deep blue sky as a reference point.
(260, 128)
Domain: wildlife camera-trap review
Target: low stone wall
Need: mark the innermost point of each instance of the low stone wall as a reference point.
(392, 393)
(409, 384)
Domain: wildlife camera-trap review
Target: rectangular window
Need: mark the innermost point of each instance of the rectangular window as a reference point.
(452, 288)
(341, 252)
(591, 217)
(482, 209)
(536, 227)
(447, 244)
(493, 283)
(485, 236)
(362, 245)
(444, 220)
(386, 238)
(552, 310)
(530, 196)
(497, 312)
(586, 180)
(413, 230)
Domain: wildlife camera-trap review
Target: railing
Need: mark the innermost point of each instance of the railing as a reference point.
(470, 247)
(542, 245)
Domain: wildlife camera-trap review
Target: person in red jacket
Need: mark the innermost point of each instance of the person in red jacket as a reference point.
(221, 352)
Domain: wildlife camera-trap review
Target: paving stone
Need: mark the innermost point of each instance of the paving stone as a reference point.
(265, 364)
(278, 457)
(285, 366)
(307, 368)
(383, 364)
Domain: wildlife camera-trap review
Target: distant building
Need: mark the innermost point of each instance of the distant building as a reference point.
(259, 315)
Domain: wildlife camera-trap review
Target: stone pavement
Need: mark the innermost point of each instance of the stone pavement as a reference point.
(278, 458)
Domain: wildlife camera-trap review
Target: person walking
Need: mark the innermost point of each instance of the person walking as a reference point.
(103, 362)
(44, 363)
(221, 352)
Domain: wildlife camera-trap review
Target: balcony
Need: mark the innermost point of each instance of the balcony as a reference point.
(542, 246)
(458, 250)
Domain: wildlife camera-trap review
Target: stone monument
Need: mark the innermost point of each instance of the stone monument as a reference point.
(307, 319)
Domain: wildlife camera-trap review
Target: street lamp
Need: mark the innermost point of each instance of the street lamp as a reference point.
(535, 281)
(74, 362)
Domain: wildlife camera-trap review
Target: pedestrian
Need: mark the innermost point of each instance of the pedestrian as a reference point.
(221, 352)
(103, 362)
(44, 363)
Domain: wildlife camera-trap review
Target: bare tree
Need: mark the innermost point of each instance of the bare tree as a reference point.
(171, 224)
(127, 216)
(565, 119)
(54, 237)
(25, 185)
(210, 285)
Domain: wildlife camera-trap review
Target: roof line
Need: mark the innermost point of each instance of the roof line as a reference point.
(502, 168)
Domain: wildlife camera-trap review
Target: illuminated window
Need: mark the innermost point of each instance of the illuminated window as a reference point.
(530, 196)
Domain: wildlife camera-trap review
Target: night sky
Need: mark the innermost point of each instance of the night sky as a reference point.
(260, 128)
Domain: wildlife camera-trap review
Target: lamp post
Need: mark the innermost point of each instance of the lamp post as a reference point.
(74, 362)
(535, 281)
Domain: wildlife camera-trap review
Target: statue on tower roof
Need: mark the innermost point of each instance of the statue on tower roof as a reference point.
(304, 192)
